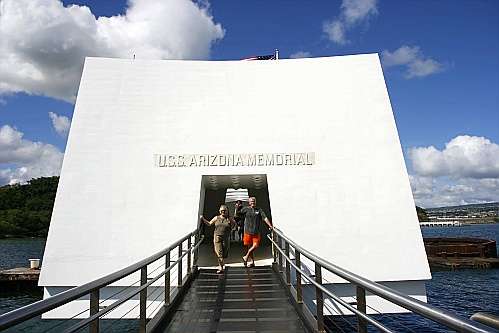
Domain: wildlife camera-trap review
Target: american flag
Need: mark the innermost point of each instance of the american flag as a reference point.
(265, 57)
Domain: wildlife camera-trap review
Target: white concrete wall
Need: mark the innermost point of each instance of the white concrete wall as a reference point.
(114, 206)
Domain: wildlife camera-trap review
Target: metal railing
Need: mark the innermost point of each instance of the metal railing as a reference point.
(92, 288)
(283, 247)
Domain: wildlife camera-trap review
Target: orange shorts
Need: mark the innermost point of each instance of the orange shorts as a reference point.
(250, 239)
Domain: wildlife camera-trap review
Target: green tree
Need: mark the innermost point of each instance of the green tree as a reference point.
(10, 230)
(25, 210)
(422, 214)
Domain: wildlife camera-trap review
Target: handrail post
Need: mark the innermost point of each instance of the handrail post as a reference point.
(274, 250)
(299, 297)
(143, 300)
(180, 265)
(361, 306)
(167, 279)
(197, 237)
(189, 259)
(320, 298)
(288, 266)
(94, 308)
(279, 239)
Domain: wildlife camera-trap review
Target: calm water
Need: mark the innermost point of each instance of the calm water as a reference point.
(465, 292)
(17, 252)
(462, 292)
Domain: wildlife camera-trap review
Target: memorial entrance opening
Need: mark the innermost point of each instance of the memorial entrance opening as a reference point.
(214, 192)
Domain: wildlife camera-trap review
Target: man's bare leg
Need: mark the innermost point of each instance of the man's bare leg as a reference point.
(251, 250)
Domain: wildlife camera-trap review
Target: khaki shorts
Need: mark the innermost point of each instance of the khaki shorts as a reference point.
(221, 245)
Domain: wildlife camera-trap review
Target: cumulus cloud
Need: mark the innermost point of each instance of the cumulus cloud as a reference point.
(353, 13)
(429, 192)
(463, 157)
(25, 159)
(300, 54)
(415, 62)
(465, 172)
(61, 124)
(44, 44)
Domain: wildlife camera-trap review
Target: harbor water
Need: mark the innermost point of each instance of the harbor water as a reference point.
(461, 292)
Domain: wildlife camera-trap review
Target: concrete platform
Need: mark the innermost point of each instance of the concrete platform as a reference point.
(19, 279)
(439, 263)
(207, 258)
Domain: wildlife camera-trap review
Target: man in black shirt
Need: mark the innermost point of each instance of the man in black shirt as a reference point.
(252, 217)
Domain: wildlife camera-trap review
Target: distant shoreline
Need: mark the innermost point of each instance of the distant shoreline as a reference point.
(468, 220)
(23, 237)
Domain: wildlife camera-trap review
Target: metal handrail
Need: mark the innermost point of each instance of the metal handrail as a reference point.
(347, 305)
(414, 305)
(27, 312)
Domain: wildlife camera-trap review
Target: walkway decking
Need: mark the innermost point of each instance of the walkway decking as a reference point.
(240, 300)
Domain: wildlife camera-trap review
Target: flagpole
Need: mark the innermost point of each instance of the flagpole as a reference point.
(276, 54)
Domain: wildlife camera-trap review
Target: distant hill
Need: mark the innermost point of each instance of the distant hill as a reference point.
(26, 209)
(470, 206)
(477, 211)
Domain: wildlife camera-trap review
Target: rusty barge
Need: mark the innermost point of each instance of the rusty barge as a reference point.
(457, 253)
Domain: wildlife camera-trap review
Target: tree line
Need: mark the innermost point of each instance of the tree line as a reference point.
(26, 209)
(422, 214)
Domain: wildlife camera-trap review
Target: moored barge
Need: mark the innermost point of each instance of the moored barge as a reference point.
(456, 253)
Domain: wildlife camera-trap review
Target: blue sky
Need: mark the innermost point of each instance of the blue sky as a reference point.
(440, 59)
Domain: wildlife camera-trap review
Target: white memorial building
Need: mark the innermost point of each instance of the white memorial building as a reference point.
(155, 143)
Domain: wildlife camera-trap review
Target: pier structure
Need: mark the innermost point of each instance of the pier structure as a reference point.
(19, 279)
(443, 224)
(155, 143)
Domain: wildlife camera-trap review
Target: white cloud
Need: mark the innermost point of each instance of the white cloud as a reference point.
(335, 31)
(300, 54)
(61, 124)
(44, 43)
(353, 12)
(463, 157)
(415, 62)
(25, 159)
(465, 172)
(431, 192)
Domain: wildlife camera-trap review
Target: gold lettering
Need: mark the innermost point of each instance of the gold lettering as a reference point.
(261, 159)
(300, 160)
(278, 159)
(239, 160)
(161, 160)
(222, 160)
(269, 159)
(192, 161)
(180, 162)
(203, 160)
(258, 159)
(310, 158)
(212, 160)
(251, 159)
(171, 161)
